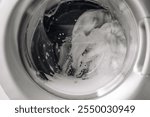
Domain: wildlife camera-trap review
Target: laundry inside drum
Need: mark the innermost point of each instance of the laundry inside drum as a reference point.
(79, 46)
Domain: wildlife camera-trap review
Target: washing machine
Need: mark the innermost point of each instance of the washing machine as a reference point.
(56, 49)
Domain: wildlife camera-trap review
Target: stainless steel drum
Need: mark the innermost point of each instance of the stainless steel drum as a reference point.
(51, 49)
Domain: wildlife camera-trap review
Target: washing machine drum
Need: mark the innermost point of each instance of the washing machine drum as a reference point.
(77, 49)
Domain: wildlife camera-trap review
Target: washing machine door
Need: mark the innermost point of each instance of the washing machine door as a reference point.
(24, 77)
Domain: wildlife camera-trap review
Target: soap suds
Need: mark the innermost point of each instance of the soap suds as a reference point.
(98, 46)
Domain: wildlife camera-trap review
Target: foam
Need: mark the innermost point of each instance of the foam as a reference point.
(101, 51)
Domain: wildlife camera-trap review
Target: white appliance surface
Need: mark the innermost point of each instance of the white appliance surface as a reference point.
(127, 88)
(3, 95)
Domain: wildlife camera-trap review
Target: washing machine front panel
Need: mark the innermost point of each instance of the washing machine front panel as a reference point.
(17, 75)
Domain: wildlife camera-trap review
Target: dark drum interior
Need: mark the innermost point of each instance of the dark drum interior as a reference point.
(55, 29)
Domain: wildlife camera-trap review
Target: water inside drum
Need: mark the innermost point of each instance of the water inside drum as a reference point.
(79, 39)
